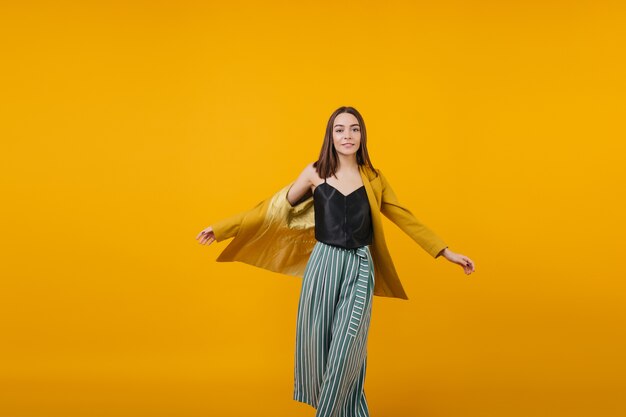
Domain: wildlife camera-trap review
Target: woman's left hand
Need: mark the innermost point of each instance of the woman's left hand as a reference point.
(457, 258)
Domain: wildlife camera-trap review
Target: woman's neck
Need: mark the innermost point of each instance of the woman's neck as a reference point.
(347, 162)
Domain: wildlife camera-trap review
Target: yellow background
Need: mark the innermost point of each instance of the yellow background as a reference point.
(128, 127)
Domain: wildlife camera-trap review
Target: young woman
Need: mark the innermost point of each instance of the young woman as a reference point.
(322, 227)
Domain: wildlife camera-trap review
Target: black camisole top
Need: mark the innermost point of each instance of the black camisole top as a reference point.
(342, 220)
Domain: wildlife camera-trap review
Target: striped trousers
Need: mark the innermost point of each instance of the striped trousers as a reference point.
(333, 320)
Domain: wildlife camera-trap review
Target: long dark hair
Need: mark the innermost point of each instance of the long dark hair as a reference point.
(326, 164)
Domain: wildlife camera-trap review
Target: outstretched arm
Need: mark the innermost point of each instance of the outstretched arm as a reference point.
(229, 227)
(405, 220)
(425, 237)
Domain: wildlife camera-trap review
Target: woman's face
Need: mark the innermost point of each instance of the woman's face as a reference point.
(346, 134)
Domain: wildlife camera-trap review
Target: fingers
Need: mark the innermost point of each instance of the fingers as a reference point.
(468, 264)
(202, 234)
(207, 240)
(207, 231)
(471, 264)
(205, 237)
(466, 260)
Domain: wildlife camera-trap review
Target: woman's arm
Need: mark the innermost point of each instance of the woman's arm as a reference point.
(301, 187)
(229, 227)
(406, 221)
(425, 237)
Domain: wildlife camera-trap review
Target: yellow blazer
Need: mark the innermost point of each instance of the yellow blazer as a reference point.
(279, 237)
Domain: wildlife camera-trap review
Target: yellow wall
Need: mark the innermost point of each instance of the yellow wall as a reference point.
(128, 127)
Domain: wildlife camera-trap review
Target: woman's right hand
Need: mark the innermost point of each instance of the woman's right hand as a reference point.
(206, 237)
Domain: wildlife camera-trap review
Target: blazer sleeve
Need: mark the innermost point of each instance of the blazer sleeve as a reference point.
(229, 227)
(407, 222)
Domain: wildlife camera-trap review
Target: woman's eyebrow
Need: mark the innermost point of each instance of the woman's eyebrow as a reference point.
(356, 124)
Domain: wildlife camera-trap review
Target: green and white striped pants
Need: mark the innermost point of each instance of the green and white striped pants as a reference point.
(331, 332)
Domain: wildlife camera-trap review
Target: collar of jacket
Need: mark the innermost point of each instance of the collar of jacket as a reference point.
(279, 237)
